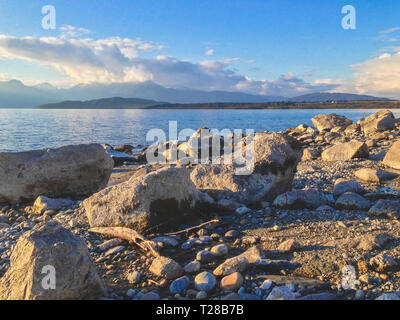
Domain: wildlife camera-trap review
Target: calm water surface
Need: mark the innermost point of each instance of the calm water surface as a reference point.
(27, 129)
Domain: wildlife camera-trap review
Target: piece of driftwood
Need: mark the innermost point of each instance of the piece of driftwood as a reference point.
(129, 235)
(192, 228)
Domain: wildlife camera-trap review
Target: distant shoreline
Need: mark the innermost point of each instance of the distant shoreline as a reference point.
(117, 105)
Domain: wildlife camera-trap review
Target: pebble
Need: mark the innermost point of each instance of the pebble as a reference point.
(114, 251)
(205, 256)
(232, 282)
(220, 250)
(192, 267)
(180, 285)
(205, 281)
(201, 295)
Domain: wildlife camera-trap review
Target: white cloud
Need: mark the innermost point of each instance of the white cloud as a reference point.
(209, 52)
(119, 60)
(387, 35)
(379, 76)
(68, 31)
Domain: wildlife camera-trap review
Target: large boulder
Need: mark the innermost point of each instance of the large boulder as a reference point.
(379, 121)
(162, 197)
(346, 151)
(45, 251)
(272, 170)
(67, 172)
(324, 122)
(392, 158)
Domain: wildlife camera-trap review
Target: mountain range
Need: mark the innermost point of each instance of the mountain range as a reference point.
(15, 94)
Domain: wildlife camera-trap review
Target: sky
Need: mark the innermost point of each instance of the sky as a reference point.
(270, 47)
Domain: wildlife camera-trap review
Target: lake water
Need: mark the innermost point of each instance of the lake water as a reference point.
(28, 129)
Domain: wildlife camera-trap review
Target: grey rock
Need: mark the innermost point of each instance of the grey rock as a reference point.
(42, 250)
(346, 151)
(205, 256)
(67, 172)
(375, 175)
(392, 158)
(270, 174)
(329, 121)
(43, 203)
(352, 201)
(220, 250)
(299, 199)
(179, 286)
(192, 267)
(379, 121)
(281, 293)
(342, 186)
(205, 281)
(389, 208)
(166, 268)
(145, 201)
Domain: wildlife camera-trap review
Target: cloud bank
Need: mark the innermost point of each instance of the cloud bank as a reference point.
(85, 60)
(119, 60)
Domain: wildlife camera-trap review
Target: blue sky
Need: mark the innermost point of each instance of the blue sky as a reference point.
(267, 43)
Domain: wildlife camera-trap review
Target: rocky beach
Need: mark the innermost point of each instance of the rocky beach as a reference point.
(317, 219)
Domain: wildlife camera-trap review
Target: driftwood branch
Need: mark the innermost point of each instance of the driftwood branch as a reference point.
(192, 228)
(129, 235)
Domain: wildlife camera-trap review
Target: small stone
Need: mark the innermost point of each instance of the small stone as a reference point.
(289, 245)
(166, 268)
(267, 284)
(281, 293)
(205, 281)
(133, 277)
(352, 201)
(232, 282)
(243, 210)
(192, 267)
(201, 295)
(114, 251)
(231, 234)
(166, 241)
(109, 244)
(179, 285)
(204, 256)
(130, 293)
(220, 250)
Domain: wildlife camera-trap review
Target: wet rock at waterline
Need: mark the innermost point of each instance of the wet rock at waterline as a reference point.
(67, 172)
